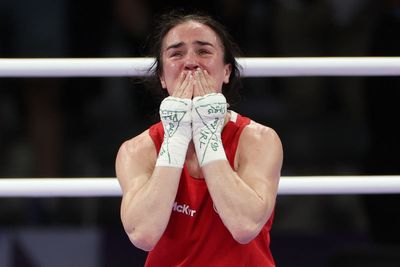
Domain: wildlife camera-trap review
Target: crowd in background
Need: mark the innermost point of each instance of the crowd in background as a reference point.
(59, 127)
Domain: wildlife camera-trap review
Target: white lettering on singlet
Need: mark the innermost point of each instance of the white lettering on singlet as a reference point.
(183, 208)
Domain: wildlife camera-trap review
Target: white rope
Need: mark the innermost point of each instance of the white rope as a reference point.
(109, 187)
(74, 67)
(59, 187)
(252, 67)
(311, 185)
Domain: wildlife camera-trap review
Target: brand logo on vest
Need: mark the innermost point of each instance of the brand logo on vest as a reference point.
(183, 208)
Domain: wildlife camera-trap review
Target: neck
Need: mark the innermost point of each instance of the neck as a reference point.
(191, 152)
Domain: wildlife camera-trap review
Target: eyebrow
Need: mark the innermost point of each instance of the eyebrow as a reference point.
(204, 43)
(180, 44)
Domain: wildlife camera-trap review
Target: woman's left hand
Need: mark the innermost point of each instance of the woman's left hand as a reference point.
(204, 83)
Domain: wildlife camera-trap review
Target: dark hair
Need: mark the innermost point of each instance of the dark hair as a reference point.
(169, 20)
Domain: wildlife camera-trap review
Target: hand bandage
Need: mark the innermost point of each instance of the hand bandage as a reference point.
(208, 117)
(175, 114)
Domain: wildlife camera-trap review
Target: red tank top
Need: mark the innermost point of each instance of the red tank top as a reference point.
(195, 235)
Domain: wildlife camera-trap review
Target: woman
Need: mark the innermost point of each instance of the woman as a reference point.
(199, 187)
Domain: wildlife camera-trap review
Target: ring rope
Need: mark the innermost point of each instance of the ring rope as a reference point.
(109, 186)
(252, 67)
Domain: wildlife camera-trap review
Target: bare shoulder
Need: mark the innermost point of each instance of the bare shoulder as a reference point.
(137, 145)
(259, 144)
(136, 157)
(258, 134)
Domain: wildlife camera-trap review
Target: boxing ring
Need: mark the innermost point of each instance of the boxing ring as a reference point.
(252, 67)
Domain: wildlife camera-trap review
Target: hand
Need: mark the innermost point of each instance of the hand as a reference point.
(204, 83)
(208, 116)
(184, 87)
(175, 114)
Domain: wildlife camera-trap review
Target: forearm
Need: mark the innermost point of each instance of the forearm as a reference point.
(145, 214)
(243, 211)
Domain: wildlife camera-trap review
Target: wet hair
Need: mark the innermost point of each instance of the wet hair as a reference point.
(168, 21)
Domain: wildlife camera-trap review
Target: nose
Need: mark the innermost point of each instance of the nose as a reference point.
(191, 62)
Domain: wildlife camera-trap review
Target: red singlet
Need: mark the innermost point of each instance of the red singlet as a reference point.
(195, 235)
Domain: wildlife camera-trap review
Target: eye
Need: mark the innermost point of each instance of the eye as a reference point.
(203, 52)
(176, 54)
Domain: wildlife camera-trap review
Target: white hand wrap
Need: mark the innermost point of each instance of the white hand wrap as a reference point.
(208, 117)
(175, 114)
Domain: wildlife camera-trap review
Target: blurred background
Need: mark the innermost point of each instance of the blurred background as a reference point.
(72, 127)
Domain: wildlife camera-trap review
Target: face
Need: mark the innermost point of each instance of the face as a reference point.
(190, 46)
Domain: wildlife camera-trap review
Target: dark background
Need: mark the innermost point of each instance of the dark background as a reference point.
(59, 127)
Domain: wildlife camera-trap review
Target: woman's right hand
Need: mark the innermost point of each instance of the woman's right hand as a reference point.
(184, 86)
